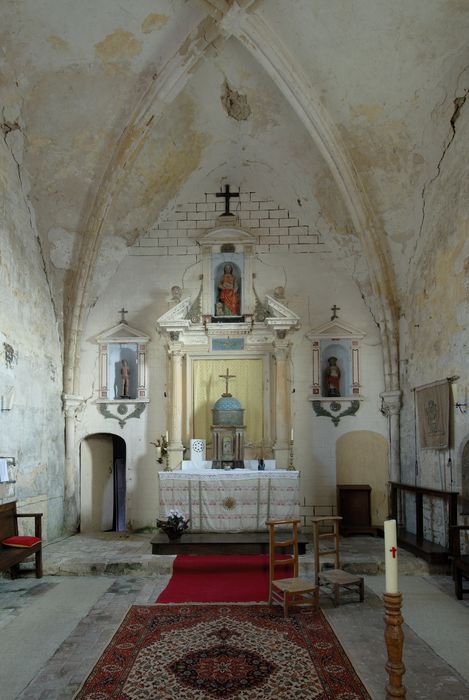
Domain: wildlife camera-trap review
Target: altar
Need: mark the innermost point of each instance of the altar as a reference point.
(234, 500)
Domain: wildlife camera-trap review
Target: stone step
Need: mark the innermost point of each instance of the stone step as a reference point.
(117, 554)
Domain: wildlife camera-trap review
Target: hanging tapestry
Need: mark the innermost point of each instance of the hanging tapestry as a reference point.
(433, 415)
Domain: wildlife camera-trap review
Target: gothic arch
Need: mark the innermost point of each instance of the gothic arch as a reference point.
(268, 50)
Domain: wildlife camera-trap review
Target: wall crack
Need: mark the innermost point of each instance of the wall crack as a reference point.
(458, 104)
(6, 128)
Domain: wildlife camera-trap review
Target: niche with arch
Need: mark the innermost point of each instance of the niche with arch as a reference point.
(336, 369)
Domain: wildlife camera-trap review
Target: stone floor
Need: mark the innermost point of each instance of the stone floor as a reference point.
(53, 630)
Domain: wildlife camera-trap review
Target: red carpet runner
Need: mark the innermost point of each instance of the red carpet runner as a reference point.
(226, 652)
(220, 579)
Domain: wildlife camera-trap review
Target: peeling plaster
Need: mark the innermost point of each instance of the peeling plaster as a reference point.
(61, 247)
(57, 42)
(371, 112)
(174, 166)
(331, 204)
(153, 22)
(121, 45)
(235, 104)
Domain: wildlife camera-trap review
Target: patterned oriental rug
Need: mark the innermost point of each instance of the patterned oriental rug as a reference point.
(239, 652)
(225, 578)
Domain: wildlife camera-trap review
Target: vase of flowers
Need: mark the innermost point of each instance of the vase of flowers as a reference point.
(174, 525)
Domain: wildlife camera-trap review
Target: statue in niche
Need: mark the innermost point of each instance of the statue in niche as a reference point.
(228, 294)
(125, 379)
(176, 293)
(332, 377)
(279, 292)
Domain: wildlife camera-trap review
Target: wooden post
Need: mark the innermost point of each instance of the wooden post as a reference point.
(394, 638)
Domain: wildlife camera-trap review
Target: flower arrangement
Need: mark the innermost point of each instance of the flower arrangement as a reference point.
(174, 525)
(162, 451)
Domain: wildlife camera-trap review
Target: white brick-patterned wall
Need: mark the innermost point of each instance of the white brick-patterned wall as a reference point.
(276, 231)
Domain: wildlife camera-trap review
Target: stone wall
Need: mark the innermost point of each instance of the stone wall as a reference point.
(435, 317)
(30, 359)
(276, 231)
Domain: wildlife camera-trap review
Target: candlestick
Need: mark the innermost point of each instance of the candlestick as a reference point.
(390, 556)
(291, 467)
(394, 638)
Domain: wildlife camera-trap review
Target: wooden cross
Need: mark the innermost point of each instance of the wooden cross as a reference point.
(227, 378)
(122, 313)
(334, 310)
(227, 196)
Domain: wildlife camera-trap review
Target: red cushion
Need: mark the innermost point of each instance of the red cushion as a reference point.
(21, 541)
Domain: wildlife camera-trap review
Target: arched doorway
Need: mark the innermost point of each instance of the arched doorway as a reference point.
(102, 483)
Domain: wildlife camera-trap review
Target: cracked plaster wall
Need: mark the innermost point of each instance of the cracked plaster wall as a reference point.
(435, 313)
(32, 431)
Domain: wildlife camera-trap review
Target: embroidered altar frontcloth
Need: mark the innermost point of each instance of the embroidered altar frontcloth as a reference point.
(230, 501)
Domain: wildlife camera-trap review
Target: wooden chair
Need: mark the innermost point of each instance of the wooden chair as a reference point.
(283, 539)
(460, 563)
(335, 578)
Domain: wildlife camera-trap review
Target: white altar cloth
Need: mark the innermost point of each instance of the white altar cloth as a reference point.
(230, 501)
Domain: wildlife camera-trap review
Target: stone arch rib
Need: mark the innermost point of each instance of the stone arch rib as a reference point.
(161, 92)
(267, 49)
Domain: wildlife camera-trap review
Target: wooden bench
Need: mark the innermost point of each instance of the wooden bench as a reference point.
(11, 557)
(460, 563)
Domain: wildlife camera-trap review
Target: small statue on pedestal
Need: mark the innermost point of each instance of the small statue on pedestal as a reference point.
(332, 377)
(125, 379)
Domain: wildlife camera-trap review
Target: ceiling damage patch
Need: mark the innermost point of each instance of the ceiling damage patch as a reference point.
(121, 45)
(154, 21)
(235, 104)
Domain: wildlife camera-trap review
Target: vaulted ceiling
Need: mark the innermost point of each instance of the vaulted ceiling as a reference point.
(341, 111)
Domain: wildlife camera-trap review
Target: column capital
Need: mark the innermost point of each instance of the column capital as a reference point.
(71, 404)
(391, 402)
(281, 349)
(175, 349)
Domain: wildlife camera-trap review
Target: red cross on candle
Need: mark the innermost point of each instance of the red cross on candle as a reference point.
(393, 551)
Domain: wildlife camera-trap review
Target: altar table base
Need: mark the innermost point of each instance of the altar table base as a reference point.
(238, 500)
(218, 543)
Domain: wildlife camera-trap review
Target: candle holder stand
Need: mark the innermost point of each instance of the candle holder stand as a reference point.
(394, 638)
(291, 467)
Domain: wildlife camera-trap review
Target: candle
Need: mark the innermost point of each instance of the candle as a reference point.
(291, 435)
(158, 452)
(166, 436)
(390, 556)
(455, 388)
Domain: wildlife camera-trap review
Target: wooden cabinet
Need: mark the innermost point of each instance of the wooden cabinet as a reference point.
(354, 505)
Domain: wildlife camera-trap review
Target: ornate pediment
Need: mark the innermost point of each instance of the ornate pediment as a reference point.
(280, 316)
(227, 234)
(176, 318)
(178, 324)
(336, 365)
(335, 329)
(227, 305)
(122, 368)
(122, 333)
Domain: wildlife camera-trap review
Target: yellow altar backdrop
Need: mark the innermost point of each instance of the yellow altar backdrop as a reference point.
(247, 387)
